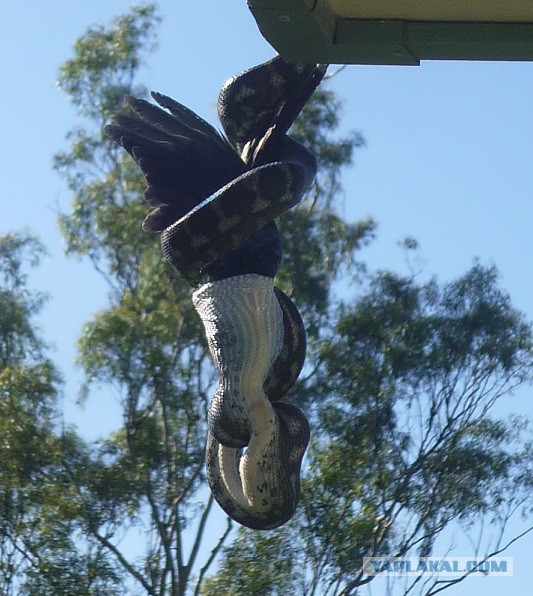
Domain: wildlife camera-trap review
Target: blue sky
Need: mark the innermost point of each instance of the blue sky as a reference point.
(448, 161)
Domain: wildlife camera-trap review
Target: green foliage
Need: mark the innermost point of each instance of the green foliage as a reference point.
(399, 384)
(106, 62)
(107, 189)
(27, 379)
(411, 373)
(404, 445)
(149, 343)
(17, 336)
(40, 509)
(258, 563)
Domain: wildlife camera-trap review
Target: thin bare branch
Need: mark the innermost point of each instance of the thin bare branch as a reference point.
(123, 561)
(200, 532)
(213, 555)
(450, 583)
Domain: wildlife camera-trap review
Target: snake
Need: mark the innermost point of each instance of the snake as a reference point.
(214, 198)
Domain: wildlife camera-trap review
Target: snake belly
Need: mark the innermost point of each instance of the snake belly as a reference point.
(248, 334)
(214, 200)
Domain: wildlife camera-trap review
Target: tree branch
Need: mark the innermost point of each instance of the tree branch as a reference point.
(123, 561)
(200, 532)
(212, 556)
(453, 582)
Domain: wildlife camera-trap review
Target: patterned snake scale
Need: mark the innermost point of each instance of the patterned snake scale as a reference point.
(214, 200)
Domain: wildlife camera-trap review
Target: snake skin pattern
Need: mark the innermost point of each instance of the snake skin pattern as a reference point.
(214, 200)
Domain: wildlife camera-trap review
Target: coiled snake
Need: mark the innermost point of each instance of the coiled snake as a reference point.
(214, 201)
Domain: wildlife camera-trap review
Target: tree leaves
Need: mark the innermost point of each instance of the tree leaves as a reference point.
(400, 381)
(403, 445)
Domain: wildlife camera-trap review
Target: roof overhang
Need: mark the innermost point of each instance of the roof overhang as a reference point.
(396, 31)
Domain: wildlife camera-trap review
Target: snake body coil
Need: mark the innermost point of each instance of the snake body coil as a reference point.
(214, 202)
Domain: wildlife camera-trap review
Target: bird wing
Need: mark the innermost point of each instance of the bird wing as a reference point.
(182, 157)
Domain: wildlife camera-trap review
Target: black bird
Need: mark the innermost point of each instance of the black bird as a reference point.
(214, 197)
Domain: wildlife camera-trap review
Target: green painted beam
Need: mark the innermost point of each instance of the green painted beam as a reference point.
(309, 31)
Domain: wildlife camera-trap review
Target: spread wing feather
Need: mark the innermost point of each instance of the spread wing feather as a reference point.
(182, 157)
(185, 160)
(188, 117)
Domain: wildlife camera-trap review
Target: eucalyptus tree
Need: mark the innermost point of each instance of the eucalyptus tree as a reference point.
(405, 448)
(399, 384)
(41, 518)
(149, 342)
